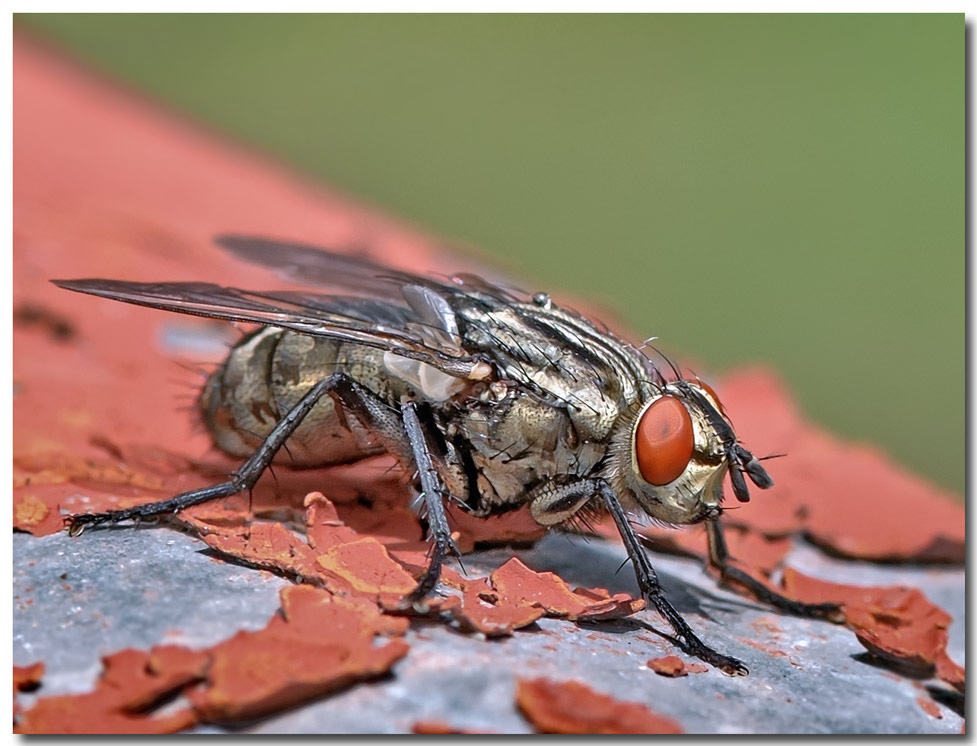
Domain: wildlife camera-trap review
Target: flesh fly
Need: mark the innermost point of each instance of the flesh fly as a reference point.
(484, 396)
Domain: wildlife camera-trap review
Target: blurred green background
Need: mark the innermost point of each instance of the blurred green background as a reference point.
(780, 188)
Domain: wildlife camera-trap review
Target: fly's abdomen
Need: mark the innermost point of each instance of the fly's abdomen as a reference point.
(265, 376)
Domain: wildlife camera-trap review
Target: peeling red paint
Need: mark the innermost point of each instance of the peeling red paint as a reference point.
(674, 667)
(897, 624)
(439, 727)
(518, 583)
(125, 208)
(291, 660)
(26, 678)
(252, 674)
(131, 681)
(929, 707)
(850, 499)
(483, 610)
(572, 707)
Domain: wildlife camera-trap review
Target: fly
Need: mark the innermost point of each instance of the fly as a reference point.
(486, 397)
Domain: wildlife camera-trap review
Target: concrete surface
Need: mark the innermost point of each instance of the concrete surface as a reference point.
(78, 599)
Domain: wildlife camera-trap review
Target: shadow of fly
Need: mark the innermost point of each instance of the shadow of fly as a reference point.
(485, 397)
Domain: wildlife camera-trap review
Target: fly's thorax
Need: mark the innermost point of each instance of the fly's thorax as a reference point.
(561, 357)
(517, 442)
(669, 457)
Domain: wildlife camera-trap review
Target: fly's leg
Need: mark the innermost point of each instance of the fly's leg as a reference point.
(244, 478)
(720, 559)
(434, 496)
(351, 396)
(651, 589)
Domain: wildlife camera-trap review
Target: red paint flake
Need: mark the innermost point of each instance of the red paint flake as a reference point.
(864, 506)
(34, 516)
(26, 678)
(674, 667)
(365, 568)
(518, 584)
(929, 707)
(483, 610)
(267, 545)
(323, 526)
(895, 623)
(439, 728)
(572, 707)
(952, 673)
(320, 643)
(132, 681)
(669, 665)
(514, 527)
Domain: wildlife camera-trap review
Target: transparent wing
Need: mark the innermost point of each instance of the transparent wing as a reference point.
(309, 265)
(371, 322)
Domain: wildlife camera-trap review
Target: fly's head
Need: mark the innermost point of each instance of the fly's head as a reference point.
(673, 450)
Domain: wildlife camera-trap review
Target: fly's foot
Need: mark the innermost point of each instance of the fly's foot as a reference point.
(725, 663)
(76, 524)
(415, 600)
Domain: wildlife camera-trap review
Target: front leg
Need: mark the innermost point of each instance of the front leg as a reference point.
(651, 589)
(554, 503)
(729, 573)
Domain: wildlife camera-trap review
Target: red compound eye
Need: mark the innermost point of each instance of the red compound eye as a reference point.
(663, 441)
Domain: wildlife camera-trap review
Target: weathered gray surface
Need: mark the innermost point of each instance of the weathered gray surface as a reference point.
(143, 587)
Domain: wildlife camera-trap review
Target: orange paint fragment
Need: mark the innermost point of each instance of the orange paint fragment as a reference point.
(483, 610)
(291, 660)
(132, 681)
(673, 666)
(365, 567)
(268, 545)
(929, 707)
(518, 584)
(439, 728)
(571, 707)
(514, 527)
(898, 624)
(323, 526)
(36, 517)
(26, 678)
(852, 500)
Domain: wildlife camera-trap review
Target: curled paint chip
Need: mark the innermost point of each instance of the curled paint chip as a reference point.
(897, 624)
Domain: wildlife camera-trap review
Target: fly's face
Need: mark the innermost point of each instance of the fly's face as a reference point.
(674, 450)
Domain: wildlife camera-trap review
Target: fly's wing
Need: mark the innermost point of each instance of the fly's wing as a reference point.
(309, 265)
(391, 326)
